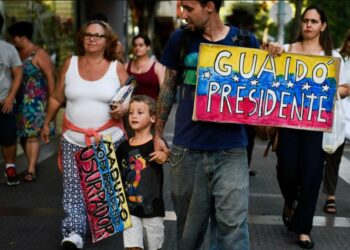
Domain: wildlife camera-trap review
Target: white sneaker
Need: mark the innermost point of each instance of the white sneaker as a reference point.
(73, 241)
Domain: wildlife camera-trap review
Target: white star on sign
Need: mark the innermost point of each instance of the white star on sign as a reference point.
(290, 84)
(206, 74)
(254, 82)
(276, 84)
(325, 88)
(235, 78)
(306, 86)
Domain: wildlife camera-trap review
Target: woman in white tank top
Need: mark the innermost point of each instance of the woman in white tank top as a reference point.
(87, 83)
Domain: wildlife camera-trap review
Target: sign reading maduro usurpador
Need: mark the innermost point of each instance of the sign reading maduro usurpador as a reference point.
(104, 196)
(248, 86)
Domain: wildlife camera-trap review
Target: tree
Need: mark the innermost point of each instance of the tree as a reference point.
(296, 22)
(249, 16)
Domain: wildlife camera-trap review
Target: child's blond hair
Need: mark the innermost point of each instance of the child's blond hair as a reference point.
(149, 101)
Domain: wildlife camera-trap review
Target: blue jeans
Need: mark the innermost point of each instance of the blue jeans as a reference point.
(210, 184)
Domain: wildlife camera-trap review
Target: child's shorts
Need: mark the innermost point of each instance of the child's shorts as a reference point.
(8, 129)
(151, 228)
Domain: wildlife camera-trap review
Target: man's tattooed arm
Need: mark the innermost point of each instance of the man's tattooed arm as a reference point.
(165, 99)
(164, 104)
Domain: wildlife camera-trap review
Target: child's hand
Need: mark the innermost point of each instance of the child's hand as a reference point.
(159, 157)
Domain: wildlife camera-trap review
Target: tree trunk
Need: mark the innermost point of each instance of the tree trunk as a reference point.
(297, 19)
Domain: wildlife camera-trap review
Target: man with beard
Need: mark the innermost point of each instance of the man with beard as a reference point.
(209, 172)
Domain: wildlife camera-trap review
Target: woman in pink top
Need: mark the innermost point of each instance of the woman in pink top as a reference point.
(149, 73)
(87, 83)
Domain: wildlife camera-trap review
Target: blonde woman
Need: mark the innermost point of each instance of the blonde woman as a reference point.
(87, 83)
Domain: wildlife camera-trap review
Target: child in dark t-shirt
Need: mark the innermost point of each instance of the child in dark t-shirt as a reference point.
(142, 175)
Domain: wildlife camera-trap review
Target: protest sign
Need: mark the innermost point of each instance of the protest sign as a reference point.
(249, 86)
(104, 196)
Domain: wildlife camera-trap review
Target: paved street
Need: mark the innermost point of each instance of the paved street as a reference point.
(30, 214)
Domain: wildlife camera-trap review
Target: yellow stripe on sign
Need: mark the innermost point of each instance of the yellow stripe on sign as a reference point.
(252, 62)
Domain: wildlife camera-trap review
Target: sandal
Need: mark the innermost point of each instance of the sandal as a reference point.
(29, 177)
(287, 215)
(252, 173)
(329, 206)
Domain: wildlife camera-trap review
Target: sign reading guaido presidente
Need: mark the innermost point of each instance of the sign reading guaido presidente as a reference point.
(249, 86)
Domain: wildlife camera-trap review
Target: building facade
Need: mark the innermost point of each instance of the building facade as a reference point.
(56, 22)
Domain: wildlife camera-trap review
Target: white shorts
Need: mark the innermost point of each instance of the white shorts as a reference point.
(152, 228)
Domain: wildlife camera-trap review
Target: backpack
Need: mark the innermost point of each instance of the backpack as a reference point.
(242, 40)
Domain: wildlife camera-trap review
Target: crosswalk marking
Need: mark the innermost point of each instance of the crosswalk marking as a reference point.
(320, 221)
(170, 216)
(344, 169)
(265, 195)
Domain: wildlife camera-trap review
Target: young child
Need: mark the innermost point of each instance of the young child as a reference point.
(142, 174)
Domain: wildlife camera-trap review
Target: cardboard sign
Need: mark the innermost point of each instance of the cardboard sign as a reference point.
(104, 196)
(248, 86)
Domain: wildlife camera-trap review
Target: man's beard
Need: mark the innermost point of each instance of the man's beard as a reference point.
(196, 30)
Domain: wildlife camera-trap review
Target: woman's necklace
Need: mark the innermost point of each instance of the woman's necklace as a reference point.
(139, 66)
(94, 62)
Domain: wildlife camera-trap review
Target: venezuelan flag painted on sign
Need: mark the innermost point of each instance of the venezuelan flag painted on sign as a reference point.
(248, 86)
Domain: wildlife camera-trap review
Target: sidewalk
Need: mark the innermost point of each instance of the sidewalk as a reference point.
(266, 227)
(31, 213)
(46, 151)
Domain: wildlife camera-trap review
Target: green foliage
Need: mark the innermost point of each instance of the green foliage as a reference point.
(254, 16)
(251, 16)
(273, 31)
